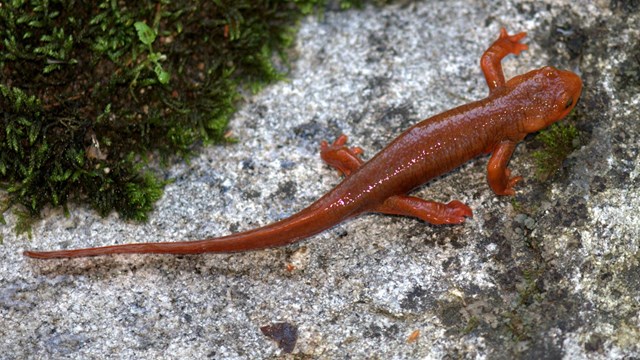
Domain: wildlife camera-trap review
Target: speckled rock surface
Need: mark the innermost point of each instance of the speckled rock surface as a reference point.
(551, 273)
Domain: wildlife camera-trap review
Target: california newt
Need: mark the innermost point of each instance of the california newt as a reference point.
(526, 103)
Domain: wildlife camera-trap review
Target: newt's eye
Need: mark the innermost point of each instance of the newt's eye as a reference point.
(568, 103)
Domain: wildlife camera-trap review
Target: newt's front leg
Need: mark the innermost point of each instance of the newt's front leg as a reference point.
(490, 60)
(498, 175)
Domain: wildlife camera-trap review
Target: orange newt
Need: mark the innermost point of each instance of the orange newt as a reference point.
(526, 103)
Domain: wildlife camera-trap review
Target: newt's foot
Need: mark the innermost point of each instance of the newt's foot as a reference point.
(512, 43)
(338, 155)
(455, 212)
(510, 183)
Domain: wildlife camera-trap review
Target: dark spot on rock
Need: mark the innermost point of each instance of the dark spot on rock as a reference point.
(594, 343)
(252, 194)
(451, 264)
(285, 334)
(248, 164)
(575, 44)
(417, 299)
(456, 243)
(598, 184)
(450, 314)
(287, 189)
(398, 117)
(261, 110)
(377, 81)
(309, 131)
(353, 117)
(376, 331)
(606, 276)
(574, 213)
(379, 41)
(504, 247)
(377, 86)
(631, 278)
(472, 289)
(489, 20)
(373, 331)
(392, 331)
(494, 222)
(286, 164)
(509, 279)
(625, 6)
(342, 232)
(618, 178)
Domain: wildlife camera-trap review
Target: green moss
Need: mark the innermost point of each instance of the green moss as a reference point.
(558, 142)
(90, 90)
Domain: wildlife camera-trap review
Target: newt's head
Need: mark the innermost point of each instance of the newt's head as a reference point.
(546, 95)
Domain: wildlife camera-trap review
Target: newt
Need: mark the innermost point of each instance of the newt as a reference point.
(524, 104)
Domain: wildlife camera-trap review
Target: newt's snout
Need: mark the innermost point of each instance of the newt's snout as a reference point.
(575, 86)
(572, 86)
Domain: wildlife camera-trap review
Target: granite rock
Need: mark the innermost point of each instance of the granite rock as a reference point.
(552, 272)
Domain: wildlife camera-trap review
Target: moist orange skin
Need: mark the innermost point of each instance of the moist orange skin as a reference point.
(526, 103)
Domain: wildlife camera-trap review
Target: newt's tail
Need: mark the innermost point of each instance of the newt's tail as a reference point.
(307, 222)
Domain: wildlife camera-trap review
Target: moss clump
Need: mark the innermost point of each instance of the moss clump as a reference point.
(558, 141)
(90, 90)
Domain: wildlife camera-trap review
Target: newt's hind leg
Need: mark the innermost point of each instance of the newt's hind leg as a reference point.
(433, 212)
(340, 156)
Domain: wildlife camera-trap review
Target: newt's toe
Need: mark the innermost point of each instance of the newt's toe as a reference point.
(459, 209)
